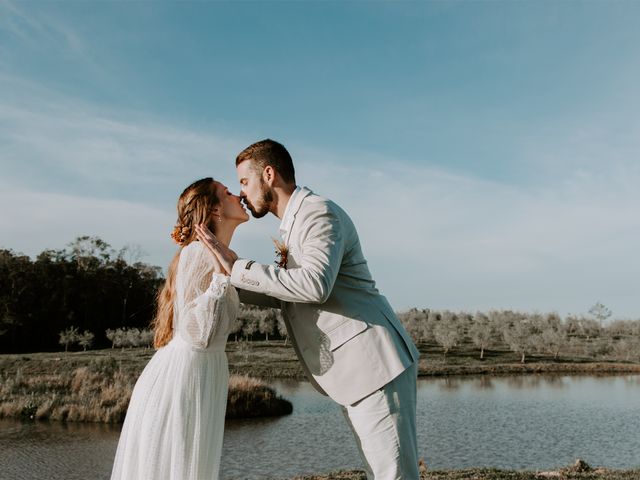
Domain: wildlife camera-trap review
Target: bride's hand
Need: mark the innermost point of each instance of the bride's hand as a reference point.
(221, 252)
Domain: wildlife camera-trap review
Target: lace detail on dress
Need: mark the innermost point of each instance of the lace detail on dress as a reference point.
(218, 286)
(201, 296)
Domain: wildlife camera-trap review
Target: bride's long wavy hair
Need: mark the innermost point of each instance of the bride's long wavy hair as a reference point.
(195, 206)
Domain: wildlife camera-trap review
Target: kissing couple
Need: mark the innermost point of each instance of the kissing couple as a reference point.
(347, 337)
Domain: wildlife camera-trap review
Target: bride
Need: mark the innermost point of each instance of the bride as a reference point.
(175, 420)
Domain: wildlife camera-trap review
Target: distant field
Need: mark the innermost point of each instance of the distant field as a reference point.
(275, 360)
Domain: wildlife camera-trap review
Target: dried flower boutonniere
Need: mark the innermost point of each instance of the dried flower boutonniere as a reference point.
(282, 253)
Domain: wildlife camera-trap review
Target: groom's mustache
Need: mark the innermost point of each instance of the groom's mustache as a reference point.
(246, 203)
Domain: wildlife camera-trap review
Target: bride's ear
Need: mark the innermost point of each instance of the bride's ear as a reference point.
(217, 213)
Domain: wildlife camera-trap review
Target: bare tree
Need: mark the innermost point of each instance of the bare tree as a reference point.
(481, 333)
(625, 349)
(266, 323)
(85, 340)
(590, 328)
(120, 338)
(282, 327)
(250, 327)
(111, 336)
(600, 312)
(68, 337)
(146, 337)
(553, 339)
(427, 325)
(622, 328)
(410, 322)
(131, 253)
(518, 335)
(447, 332)
(132, 337)
(236, 328)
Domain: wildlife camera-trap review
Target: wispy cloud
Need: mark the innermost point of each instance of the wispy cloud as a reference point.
(450, 241)
(433, 238)
(38, 29)
(64, 145)
(71, 168)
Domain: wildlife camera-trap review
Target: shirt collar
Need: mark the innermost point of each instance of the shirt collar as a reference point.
(287, 218)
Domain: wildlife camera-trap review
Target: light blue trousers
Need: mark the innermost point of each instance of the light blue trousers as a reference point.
(384, 424)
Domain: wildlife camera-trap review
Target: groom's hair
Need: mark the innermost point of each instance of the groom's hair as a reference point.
(269, 153)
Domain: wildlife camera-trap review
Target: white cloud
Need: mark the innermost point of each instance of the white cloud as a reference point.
(445, 241)
(59, 144)
(433, 238)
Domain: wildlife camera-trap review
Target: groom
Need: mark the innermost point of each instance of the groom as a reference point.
(346, 335)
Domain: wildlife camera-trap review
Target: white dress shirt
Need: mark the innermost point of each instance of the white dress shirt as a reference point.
(287, 218)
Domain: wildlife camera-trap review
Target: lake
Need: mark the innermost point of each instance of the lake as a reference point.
(519, 422)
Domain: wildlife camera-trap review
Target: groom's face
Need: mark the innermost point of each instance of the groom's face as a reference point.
(255, 193)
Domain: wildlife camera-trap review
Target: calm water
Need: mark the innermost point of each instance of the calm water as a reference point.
(534, 422)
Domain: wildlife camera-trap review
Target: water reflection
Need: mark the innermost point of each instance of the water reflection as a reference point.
(450, 383)
(482, 383)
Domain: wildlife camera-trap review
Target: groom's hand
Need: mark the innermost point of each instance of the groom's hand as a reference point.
(224, 254)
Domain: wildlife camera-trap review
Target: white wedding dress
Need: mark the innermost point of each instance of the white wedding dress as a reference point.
(175, 421)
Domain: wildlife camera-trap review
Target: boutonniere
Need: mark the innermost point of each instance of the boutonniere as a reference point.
(282, 253)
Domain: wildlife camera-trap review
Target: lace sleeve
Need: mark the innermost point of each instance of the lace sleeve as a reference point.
(200, 295)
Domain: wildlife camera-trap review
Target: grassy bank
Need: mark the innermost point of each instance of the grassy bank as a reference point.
(578, 471)
(493, 474)
(96, 386)
(276, 360)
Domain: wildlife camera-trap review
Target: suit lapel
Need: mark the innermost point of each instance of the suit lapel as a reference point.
(304, 193)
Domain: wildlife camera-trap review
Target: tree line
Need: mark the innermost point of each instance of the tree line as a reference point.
(91, 296)
(88, 294)
(526, 334)
(86, 285)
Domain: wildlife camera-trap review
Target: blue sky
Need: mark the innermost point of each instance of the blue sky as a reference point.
(488, 151)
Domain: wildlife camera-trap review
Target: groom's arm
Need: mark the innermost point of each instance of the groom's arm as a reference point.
(319, 260)
(253, 298)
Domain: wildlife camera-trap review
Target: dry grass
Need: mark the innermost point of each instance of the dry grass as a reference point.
(99, 391)
(275, 360)
(245, 383)
(250, 397)
(95, 385)
(494, 474)
(580, 470)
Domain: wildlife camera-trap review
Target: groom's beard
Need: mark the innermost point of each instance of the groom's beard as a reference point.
(262, 207)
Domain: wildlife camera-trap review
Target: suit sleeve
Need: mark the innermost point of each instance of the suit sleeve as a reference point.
(319, 260)
(254, 298)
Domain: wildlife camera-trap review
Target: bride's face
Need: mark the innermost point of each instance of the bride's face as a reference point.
(255, 193)
(230, 205)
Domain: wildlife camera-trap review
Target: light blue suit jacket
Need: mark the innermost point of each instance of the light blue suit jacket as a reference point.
(345, 333)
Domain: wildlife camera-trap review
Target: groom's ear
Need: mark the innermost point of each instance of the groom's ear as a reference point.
(269, 175)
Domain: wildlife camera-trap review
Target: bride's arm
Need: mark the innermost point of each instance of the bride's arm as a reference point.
(200, 295)
(322, 247)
